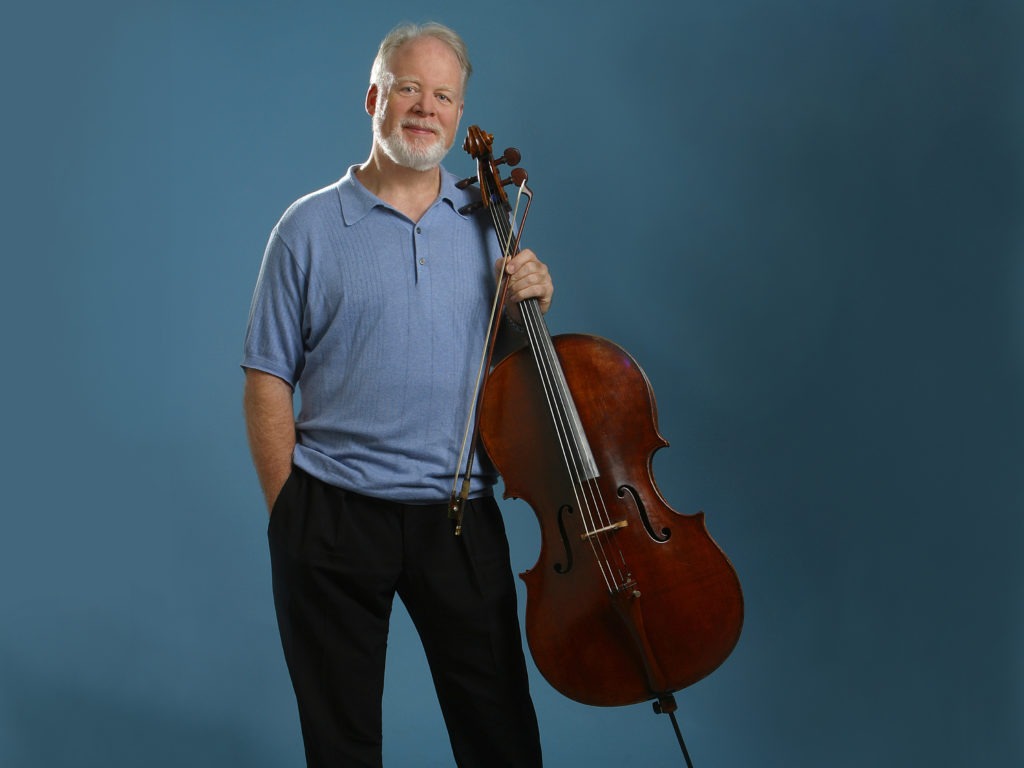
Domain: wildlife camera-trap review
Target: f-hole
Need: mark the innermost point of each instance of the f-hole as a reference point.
(665, 533)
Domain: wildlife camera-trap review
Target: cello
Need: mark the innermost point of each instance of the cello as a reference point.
(629, 600)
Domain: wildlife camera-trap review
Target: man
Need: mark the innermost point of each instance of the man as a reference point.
(373, 299)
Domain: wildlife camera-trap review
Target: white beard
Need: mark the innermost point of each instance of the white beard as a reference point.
(405, 154)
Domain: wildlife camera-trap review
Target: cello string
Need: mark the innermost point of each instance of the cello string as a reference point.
(594, 499)
(536, 340)
(556, 394)
(567, 429)
(571, 458)
(586, 490)
(590, 487)
(570, 433)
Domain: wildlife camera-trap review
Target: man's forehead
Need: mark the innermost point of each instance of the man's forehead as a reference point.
(426, 58)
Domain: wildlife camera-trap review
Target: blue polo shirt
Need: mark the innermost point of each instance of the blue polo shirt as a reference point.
(379, 323)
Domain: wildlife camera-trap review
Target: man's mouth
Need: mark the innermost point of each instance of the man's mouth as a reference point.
(423, 128)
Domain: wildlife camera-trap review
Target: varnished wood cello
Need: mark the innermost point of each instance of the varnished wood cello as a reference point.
(629, 600)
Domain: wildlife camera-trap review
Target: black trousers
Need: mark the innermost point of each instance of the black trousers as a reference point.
(338, 558)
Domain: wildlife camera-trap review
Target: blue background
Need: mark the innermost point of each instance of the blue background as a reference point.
(805, 219)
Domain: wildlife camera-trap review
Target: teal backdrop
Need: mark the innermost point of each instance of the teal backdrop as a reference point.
(804, 218)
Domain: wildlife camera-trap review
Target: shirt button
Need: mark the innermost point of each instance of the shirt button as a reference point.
(419, 231)
(423, 261)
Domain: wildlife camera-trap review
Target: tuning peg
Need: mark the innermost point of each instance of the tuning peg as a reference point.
(510, 157)
(463, 183)
(517, 177)
(470, 207)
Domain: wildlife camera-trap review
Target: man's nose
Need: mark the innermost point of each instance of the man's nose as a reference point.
(423, 106)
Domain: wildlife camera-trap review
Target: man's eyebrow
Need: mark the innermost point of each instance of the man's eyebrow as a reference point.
(416, 81)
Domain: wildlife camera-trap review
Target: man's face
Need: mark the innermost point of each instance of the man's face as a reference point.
(416, 120)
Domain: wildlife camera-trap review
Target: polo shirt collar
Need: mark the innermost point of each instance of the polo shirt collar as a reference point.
(357, 201)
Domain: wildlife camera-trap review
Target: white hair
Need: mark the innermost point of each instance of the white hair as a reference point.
(402, 34)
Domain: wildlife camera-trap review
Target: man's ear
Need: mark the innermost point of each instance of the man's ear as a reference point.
(371, 99)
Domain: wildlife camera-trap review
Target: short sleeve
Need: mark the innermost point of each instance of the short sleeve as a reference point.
(275, 336)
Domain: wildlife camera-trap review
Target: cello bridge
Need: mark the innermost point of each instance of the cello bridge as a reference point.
(606, 529)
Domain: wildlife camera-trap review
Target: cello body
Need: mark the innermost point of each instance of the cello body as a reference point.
(672, 610)
(629, 600)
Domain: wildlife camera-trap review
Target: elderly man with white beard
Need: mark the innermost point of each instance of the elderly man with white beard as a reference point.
(372, 300)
